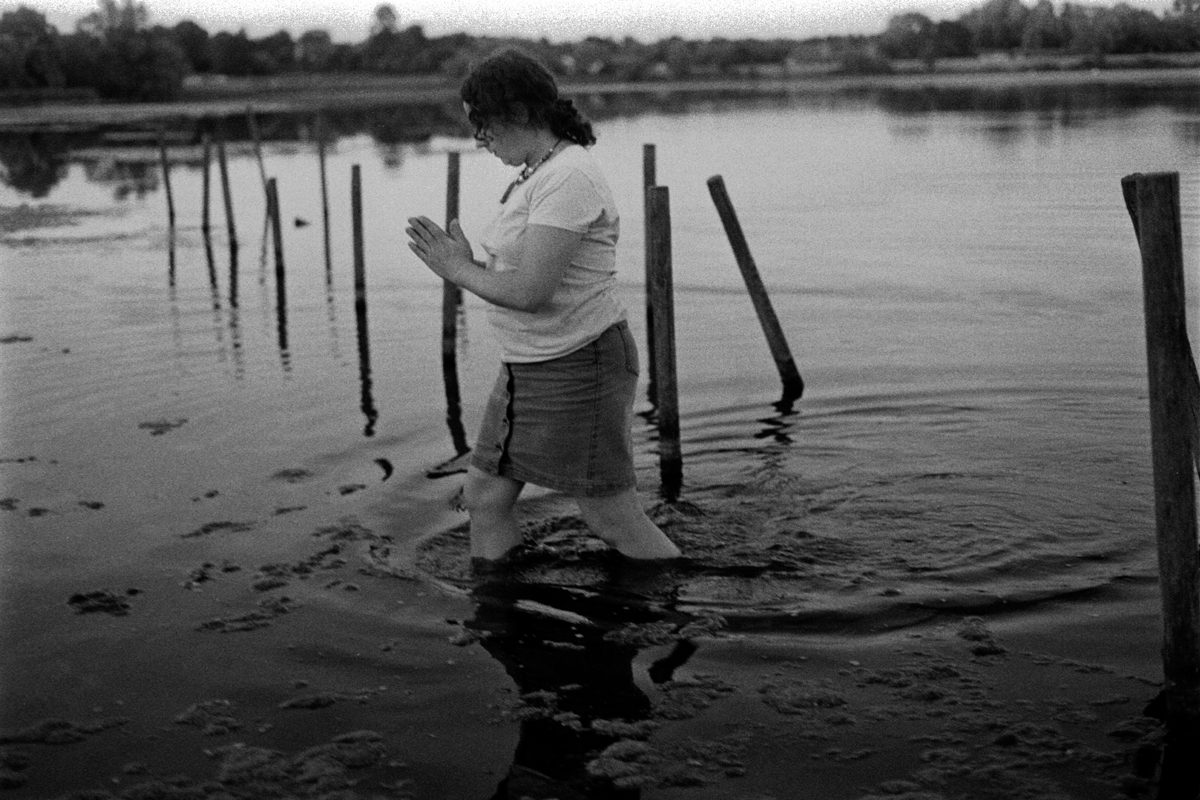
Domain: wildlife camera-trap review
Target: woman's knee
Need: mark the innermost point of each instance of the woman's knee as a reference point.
(612, 513)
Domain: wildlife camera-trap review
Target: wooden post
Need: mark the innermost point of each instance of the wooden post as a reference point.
(649, 181)
(206, 191)
(252, 123)
(276, 225)
(166, 172)
(223, 168)
(662, 303)
(324, 198)
(356, 217)
(1153, 203)
(273, 214)
(451, 302)
(793, 385)
(367, 403)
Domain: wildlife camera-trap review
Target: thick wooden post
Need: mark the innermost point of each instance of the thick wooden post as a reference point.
(662, 303)
(451, 302)
(649, 181)
(367, 400)
(1153, 202)
(793, 385)
(273, 215)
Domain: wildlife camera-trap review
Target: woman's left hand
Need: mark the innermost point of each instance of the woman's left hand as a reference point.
(447, 253)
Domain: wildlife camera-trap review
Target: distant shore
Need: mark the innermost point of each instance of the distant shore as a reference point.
(309, 93)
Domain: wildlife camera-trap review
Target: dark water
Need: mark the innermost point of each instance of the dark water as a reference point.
(955, 270)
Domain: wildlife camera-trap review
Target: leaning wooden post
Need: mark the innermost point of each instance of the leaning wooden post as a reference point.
(223, 168)
(793, 385)
(451, 302)
(356, 214)
(1153, 203)
(252, 124)
(649, 181)
(662, 303)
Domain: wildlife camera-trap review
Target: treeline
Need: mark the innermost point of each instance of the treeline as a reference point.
(115, 53)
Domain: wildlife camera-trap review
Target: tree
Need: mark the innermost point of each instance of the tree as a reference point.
(907, 36)
(952, 40)
(277, 51)
(314, 50)
(1043, 29)
(29, 55)
(127, 17)
(386, 19)
(997, 24)
(193, 41)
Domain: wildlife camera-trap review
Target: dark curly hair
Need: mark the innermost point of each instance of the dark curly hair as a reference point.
(511, 86)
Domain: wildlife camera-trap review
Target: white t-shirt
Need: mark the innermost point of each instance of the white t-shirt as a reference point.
(568, 191)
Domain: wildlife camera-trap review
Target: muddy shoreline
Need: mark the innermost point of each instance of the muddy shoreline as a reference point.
(334, 661)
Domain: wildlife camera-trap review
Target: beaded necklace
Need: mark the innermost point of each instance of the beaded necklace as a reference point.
(528, 170)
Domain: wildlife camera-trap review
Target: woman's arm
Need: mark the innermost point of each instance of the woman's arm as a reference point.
(546, 253)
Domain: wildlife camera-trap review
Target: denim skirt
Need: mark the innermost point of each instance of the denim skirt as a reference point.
(565, 424)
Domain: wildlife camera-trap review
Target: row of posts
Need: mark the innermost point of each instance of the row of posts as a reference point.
(660, 311)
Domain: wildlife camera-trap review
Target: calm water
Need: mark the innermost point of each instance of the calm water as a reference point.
(956, 273)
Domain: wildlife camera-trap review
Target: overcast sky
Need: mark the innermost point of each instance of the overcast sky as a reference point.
(558, 20)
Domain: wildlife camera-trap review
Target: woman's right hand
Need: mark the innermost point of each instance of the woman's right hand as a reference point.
(447, 253)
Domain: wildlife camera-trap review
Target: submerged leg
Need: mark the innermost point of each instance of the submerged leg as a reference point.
(620, 521)
(490, 500)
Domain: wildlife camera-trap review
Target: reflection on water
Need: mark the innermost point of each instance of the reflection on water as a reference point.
(570, 652)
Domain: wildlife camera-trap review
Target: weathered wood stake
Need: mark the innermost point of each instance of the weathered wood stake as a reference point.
(356, 215)
(793, 385)
(273, 213)
(367, 402)
(252, 124)
(662, 303)
(166, 172)
(206, 190)
(649, 181)
(451, 303)
(1153, 203)
(223, 168)
(324, 198)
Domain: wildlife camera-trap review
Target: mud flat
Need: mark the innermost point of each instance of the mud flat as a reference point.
(343, 663)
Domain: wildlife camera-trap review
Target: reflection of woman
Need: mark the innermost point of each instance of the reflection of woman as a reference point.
(560, 413)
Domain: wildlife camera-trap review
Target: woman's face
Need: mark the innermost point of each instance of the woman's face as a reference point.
(504, 140)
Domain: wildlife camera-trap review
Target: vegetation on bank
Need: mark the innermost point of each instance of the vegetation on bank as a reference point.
(115, 53)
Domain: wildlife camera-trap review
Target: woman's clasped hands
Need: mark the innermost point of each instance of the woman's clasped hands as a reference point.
(447, 253)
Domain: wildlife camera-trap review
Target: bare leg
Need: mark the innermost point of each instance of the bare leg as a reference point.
(619, 520)
(490, 500)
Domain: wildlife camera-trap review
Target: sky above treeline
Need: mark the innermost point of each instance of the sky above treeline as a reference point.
(556, 20)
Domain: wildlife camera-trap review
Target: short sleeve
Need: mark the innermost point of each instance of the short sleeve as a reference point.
(565, 199)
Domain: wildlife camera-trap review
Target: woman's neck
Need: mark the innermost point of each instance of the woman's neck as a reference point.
(543, 143)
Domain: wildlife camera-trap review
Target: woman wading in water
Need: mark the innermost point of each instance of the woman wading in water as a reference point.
(562, 407)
